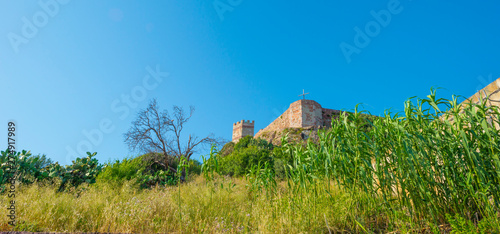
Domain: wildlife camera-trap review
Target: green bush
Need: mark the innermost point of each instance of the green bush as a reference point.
(153, 173)
(28, 168)
(120, 171)
(227, 149)
(148, 170)
(247, 152)
(240, 161)
(248, 141)
(194, 167)
(83, 170)
(280, 168)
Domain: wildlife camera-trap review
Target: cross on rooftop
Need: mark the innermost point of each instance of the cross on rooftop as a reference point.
(303, 94)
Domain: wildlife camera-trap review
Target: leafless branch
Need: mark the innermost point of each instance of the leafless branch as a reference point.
(159, 132)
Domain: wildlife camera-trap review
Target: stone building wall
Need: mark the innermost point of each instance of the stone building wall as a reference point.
(492, 89)
(492, 92)
(311, 113)
(294, 118)
(281, 122)
(300, 114)
(328, 114)
(242, 128)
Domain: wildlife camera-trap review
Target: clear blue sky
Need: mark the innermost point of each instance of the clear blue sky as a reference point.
(66, 66)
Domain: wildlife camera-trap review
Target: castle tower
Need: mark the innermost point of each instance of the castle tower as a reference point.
(242, 129)
(301, 114)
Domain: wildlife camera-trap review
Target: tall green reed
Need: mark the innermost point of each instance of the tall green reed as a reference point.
(438, 157)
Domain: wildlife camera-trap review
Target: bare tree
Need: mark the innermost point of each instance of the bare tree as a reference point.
(156, 131)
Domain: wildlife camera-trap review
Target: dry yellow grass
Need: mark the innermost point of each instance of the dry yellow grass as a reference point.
(226, 205)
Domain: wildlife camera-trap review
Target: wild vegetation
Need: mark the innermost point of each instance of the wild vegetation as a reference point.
(159, 131)
(433, 168)
(27, 169)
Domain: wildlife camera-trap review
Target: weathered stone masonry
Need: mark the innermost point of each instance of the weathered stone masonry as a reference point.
(492, 92)
(242, 128)
(310, 114)
(301, 114)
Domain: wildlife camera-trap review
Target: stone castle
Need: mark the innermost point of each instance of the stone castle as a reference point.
(301, 114)
(304, 114)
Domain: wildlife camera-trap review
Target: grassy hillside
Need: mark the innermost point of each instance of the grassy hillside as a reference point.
(432, 168)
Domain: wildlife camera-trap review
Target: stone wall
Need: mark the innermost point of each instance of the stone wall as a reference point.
(294, 118)
(492, 92)
(281, 122)
(328, 114)
(311, 113)
(300, 114)
(242, 128)
(492, 89)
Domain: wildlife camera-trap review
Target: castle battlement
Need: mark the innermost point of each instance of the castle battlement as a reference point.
(301, 114)
(243, 128)
(243, 122)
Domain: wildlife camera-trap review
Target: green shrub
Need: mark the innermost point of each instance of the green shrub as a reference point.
(227, 149)
(248, 141)
(241, 160)
(28, 168)
(237, 159)
(194, 167)
(147, 170)
(120, 171)
(83, 170)
(280, 168)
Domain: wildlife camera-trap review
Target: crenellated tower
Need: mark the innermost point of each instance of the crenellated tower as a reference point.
(242, 129)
